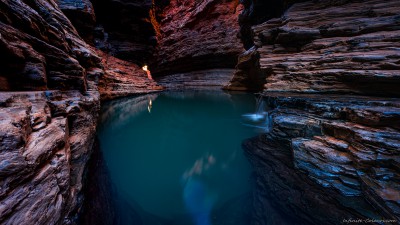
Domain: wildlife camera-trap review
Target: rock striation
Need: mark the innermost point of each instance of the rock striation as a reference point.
(52, 83)
(197, 35)
(330, 46)
(326, 158)
(196, 80)
(82, 16)
(122, 78)
(41, 49)
(46, 140)
(124, 29)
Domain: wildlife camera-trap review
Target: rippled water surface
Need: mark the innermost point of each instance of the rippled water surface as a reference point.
(176, 157)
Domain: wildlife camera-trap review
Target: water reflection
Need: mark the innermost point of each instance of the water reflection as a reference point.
(198, 196)
(183, 162)
(117, 112)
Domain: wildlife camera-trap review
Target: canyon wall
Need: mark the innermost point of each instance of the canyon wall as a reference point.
(52, 82)
(124, 30)
(197, 35)
(330, 46)
(329, 75)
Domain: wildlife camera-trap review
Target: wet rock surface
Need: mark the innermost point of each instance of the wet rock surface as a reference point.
(328, 158)
(197, 35)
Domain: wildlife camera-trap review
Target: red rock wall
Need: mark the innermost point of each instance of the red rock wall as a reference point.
(197, 35)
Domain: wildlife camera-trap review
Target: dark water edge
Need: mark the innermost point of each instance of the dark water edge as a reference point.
(98, 205)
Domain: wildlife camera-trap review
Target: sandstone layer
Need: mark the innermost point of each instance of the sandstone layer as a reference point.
(82, 16)
(122, 78)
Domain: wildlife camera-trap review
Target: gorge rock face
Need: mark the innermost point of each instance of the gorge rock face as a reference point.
(256, 12)
(197, 35)
(41, 49)
(196, 80)
(82, 16)
(124, 29)
(330, 46)
(122, 78)
(248, 76)
(46, 140)
(46, 137)
(328, 158)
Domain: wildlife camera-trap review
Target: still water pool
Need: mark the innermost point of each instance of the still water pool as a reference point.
(176, 157)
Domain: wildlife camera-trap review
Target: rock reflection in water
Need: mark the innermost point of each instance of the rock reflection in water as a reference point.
(198, 196)
(183, 162)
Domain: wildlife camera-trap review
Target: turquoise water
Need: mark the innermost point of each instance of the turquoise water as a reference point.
(179, 158)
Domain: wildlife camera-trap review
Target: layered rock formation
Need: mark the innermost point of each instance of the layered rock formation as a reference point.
(121, 78)
(46, 140)
(195, 80)
(327, 158)
(41, 49)
(197, 35)
(82, 16)
(348, 47)
(47, 136)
